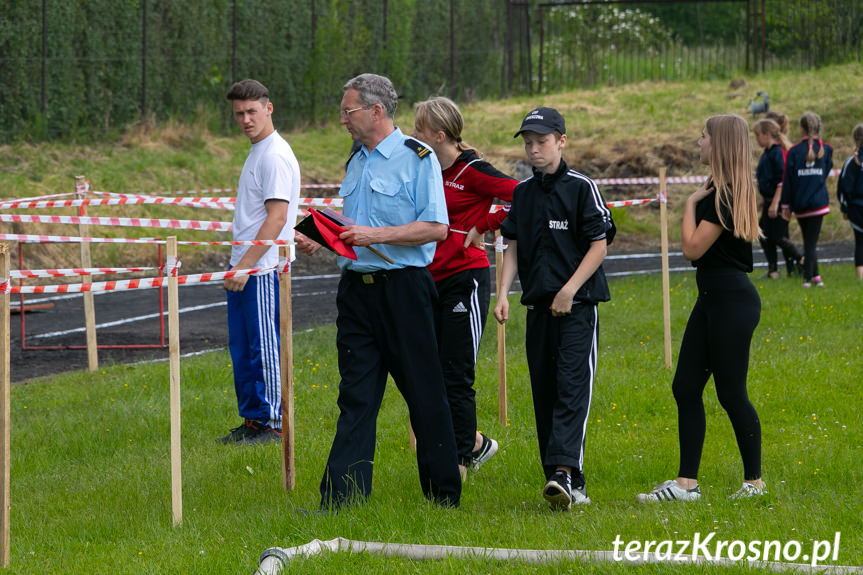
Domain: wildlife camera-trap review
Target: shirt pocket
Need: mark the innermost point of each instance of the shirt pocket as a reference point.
(349, 185)
(391, 204)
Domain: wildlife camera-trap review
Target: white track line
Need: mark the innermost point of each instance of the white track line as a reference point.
(127, 320)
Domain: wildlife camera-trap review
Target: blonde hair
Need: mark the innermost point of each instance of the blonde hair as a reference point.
(770, 127)
(810, 122)
(441, 114)
(780, 119)
(730, 168)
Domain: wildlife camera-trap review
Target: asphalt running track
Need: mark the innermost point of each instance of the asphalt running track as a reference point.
(132, 317)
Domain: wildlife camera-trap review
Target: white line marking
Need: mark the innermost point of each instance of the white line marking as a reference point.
(128, 320)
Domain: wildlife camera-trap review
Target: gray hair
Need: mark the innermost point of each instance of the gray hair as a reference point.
(374, 89)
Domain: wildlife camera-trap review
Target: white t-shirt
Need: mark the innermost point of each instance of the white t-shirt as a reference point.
(271, 172)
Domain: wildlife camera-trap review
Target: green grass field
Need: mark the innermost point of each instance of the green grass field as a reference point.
(91, 468)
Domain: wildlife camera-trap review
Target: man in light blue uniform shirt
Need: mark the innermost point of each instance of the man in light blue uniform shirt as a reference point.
(393, 191)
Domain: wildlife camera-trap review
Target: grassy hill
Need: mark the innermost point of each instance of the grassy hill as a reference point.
(621, 131)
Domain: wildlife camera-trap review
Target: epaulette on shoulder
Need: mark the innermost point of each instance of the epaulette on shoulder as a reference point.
(421, 149)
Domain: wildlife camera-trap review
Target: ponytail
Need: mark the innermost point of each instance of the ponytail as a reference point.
(771, 127)
(810, 123)
(811, 156)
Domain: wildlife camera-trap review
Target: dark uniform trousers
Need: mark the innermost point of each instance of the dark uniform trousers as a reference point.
(561, 356)
(462, 311)
(386, 325)
(775, 232)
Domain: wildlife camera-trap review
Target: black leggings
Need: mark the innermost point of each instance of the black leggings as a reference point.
(811, 229)
(716, 341)
(858, 248)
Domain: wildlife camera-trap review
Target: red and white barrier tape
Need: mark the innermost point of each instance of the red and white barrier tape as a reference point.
(626, 203)
(221, 204)
(43, 239)
(214, 203)
(200, 192)
(35, 198)
(69, 272)
(125, 285)
(111, 221)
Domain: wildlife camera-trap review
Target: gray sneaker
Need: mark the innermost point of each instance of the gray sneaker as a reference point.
(669, 491)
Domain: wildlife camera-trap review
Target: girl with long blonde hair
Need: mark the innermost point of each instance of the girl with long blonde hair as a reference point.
(720, 222)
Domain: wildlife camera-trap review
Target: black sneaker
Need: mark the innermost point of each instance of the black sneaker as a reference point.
(252, 433)
(558, 491)
(484, 453)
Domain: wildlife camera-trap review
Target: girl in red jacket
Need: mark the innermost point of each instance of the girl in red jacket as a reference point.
(460, 265)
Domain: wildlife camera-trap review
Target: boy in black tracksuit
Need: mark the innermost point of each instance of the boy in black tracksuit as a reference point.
(558, 229)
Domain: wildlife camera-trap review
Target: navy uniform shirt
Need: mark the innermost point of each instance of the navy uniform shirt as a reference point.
(554, 218)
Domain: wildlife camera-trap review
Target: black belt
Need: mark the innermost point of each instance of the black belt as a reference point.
(371, 278)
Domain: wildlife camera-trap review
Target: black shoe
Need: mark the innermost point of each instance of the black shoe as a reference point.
(252, 433)
(484, 453)
(558, 491)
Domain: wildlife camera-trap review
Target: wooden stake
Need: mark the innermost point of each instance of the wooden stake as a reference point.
(501, 334)
(286, 360)
(174, 350)
(5, 412)
(89, 307)
(666, 283)
(412, 438)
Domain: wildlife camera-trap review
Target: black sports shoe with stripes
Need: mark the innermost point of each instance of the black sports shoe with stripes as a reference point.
(558, 491)
(484, 453)
(252, 433)
(669, 491)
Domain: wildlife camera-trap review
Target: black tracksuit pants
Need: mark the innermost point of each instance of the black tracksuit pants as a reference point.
(716, 341)
(386, 326)
(561, 357)
(463, 300)
(775, 232)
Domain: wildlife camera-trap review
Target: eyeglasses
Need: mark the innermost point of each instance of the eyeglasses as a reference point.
(346, 113)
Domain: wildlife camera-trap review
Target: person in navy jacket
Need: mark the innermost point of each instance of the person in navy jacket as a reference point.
(771, 168)
(804, 190)
(849, 190)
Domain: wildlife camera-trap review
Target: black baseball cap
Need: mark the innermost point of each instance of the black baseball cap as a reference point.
(542, 121)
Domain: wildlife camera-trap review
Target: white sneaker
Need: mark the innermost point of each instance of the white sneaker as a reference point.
(669, 491)
(579, 496)
(746, 491)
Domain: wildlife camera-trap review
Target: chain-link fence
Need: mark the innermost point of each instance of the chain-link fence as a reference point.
(90, 68)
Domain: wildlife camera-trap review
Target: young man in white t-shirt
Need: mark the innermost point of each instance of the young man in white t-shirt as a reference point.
(266, 209)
